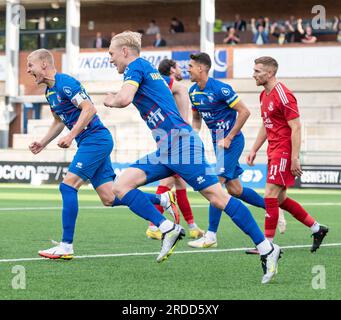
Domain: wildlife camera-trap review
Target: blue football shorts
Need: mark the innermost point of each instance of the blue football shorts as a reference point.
(92, 159)
(185, 156)
(228, 165)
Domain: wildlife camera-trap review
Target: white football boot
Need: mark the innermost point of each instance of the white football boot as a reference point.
(203, 242)
(169, 240)
(61, 251)
(270, 263)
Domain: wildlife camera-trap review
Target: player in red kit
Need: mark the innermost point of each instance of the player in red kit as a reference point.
(282, 128)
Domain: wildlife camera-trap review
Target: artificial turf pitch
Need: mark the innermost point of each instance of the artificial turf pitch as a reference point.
(114, 259)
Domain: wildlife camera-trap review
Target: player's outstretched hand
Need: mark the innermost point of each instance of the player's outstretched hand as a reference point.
(35, 147)
(65, 142)
(296, 167)
(251, 158)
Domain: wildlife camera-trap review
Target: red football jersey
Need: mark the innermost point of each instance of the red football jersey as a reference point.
(278, 107)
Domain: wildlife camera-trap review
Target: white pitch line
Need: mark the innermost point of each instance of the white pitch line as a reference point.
(112, 255)
(324, 204)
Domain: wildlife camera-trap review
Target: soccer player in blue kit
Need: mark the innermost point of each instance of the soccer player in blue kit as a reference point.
(179, 150)
(218, 105)
(72, 107)
(171, 72)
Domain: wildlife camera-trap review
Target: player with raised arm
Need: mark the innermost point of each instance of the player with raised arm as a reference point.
(171, 72)
(72, 107)
(179, 150)
(224, 114)
(282, 128)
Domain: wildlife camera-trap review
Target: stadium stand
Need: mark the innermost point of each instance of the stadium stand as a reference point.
(319, 98)
(319, 101)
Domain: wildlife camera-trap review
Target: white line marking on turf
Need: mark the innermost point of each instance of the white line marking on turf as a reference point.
(111, 255)
(124, 207)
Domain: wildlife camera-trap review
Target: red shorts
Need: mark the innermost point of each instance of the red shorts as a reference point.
(279, 172)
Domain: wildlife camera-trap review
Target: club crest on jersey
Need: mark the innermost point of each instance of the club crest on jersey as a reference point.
(225, 91)
(271, 106)
(67, 91)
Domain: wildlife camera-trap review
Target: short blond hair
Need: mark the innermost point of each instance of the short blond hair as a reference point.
(129, 39)
(43, 55)
(268, 61)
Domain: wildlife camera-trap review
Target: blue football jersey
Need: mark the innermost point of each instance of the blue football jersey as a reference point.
(64, 98)
(215, 104)
(154, 99)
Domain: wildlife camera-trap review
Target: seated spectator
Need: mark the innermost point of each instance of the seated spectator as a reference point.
(239, 24)
(260, 22)
(100, 42)
(337, 28)
(296, 34)
(290, 25)
(232, 37)
(282, 33)
(260, 33)
(153, 28)
(307, 33)
(176, 26)
(159, 42)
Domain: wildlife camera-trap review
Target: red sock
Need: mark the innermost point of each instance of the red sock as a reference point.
(159, 190)
(184, 206)
(271, 217)
(297, 212)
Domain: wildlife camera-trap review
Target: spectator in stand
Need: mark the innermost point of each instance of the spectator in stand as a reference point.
(159, 42)
(307, 33)
(176, 26)
(232, 37)
(239, 24)
(260, 32)
(337, 28)
(283, 32)
(295, 34)
(260, 22)
(153, 28)
(291, 25)
(100, 42)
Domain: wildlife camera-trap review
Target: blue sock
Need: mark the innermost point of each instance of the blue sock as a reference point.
(117, 202)
(140, 204)
(154, 198)
(252, 197)
(243, 218)
(70, 211)
(213, 218)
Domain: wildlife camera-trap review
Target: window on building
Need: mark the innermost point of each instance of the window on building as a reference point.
(44, 29)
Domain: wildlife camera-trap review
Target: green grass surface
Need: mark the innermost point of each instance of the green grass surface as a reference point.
(27, 224)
